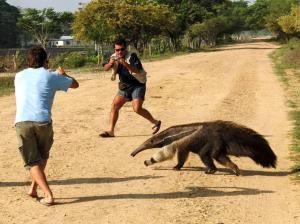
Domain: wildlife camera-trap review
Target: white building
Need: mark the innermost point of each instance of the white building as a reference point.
(63, 41)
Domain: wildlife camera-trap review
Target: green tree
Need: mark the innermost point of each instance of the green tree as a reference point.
(233, 15)
(65, 22)
(276, 9)
(135, 20)
(189, 12)
(8, 19)
(290, 24)
(95, 23)
(208, 30)
(44, 24)
(147, 20)
(256, 16)
(222, 19)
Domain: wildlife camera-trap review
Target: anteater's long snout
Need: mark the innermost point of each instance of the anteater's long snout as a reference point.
(165, 138)
(168, 136)
(138, 150)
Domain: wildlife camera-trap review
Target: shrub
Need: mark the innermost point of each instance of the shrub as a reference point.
(6, 85)
(75, 60)
(19, 60)
(292, 54)
(92, 59)
(69, 60)
(58, 60)
(293, 57)
(294, 43)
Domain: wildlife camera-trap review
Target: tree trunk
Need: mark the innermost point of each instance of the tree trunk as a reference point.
(99, 53)
(14, 62)
(149, 46)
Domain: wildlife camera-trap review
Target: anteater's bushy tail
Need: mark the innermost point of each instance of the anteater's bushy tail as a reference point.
(246, 142)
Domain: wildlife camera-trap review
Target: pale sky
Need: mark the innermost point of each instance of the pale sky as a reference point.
(58, 5)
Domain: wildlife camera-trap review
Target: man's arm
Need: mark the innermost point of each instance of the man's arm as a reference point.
(74, 84)
(109, 65)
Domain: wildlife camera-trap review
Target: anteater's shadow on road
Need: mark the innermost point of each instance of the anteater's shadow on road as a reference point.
(191, 192)
(224, 171)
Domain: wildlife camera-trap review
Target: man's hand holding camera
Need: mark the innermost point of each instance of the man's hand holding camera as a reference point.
(111, 62)
(122, 61)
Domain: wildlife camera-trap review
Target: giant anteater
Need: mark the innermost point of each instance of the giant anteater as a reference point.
(210, 140)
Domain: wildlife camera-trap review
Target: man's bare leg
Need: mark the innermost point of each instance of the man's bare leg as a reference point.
(137, 106)
(39, 178)
(33, 187)
(117, 104)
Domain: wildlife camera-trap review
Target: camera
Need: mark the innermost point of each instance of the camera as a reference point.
(115, 58)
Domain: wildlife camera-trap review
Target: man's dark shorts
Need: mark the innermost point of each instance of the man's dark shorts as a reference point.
(35, 140)
(134, 92)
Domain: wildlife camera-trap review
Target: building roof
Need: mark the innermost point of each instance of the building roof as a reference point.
(66, 38)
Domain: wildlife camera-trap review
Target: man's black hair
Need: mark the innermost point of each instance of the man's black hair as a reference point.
(120, 41)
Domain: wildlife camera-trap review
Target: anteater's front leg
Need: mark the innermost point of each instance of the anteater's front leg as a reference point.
(205, 156)
(182, 156)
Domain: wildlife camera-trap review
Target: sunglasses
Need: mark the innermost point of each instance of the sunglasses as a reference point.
(120, 49)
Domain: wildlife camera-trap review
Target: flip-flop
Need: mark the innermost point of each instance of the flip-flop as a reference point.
(43, 201)
(33, 196)
(105, 134)
(156, 127)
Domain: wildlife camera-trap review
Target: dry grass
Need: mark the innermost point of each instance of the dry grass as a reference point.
(6, 85)
(293, 57)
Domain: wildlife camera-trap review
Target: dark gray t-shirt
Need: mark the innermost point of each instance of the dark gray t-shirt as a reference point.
(124, 74)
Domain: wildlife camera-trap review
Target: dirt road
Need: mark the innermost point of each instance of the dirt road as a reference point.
(96, 181)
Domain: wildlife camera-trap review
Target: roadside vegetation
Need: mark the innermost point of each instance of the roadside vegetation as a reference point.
(287, 64)
(6, 84)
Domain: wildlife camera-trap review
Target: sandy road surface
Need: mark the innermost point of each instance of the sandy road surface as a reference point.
(96, 181)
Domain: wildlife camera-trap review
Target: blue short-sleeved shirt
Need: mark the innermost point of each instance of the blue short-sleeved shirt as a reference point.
(35, 90)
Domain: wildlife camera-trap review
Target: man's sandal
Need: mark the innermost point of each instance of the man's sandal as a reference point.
(34, 196)
(43, 201)
(156, 127)
(106, 134)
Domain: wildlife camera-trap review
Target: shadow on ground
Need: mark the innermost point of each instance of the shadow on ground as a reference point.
(191, 192)
(89, 180)
(222, 171)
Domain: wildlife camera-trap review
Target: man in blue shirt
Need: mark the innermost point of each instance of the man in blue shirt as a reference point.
(35, 88)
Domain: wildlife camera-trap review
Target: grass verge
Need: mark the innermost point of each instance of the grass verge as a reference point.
(287, 65)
